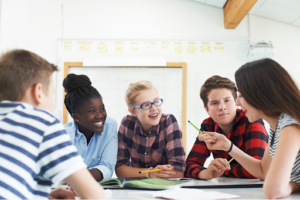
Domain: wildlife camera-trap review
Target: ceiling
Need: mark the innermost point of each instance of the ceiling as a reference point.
(287, 11)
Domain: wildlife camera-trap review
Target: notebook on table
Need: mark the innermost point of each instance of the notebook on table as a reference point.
(139, 183)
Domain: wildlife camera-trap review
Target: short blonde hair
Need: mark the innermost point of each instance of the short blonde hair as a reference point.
(135, 89)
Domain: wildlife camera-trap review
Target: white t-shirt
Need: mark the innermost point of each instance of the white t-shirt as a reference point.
(283, 121)
(35, 151)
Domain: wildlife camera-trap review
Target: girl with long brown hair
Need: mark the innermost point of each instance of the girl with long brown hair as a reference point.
(268, 92)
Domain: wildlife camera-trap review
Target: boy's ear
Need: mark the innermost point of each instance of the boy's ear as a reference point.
(131, 110)
(37, 93)
(206, 108)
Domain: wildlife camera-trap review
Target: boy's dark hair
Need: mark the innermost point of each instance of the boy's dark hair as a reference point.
(20, 70)
(267, 86)
(79, 89)
(215, 82)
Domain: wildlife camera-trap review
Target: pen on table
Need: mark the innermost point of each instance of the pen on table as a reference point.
(152, 170)
(196, 127)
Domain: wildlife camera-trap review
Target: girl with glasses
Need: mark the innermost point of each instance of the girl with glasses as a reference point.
(147, 138)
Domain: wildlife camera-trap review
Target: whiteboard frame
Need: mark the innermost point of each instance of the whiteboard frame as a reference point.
(182, 65)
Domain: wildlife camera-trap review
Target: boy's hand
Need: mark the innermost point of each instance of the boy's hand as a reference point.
(217, 141)
(61, 193)
(72, 190)
(216, 168)
(167, 173)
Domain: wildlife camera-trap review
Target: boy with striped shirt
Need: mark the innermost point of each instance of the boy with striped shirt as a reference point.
(35, 150)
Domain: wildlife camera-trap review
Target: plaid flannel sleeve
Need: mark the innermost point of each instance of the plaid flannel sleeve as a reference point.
(197, 156)
(255, 142)
(174, 146)
(123, 157)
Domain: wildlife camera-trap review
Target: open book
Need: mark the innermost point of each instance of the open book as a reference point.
(139, 182)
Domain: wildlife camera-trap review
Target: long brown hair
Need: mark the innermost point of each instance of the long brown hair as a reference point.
(268, 87)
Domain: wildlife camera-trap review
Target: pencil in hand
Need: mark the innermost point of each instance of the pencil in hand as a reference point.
(152, 170)
(228, 162)
(195, 127)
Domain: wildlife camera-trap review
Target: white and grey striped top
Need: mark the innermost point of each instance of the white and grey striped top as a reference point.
(283, 121)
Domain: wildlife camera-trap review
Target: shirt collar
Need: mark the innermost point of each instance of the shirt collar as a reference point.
(139, 130)
(78, 134)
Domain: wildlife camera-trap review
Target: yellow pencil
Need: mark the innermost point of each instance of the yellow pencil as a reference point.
(152, 170)
(228, 162)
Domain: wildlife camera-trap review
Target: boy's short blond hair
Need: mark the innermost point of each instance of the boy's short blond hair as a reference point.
(20, 70)
(134, 90)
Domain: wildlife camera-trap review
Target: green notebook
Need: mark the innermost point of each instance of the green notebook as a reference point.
(141, 183)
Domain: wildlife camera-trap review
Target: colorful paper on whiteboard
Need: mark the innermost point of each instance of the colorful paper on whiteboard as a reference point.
(205, 48)
(102, 49)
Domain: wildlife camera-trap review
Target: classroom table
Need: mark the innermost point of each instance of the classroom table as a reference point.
(245, 193)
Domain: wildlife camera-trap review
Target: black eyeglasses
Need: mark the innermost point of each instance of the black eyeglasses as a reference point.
(148, 105)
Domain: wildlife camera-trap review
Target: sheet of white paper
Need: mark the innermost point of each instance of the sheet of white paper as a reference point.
(182, 193)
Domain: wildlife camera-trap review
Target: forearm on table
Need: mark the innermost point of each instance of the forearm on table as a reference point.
(125, 171)
(193, 169)
(177, 174)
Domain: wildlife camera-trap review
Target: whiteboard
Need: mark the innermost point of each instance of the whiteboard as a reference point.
(112, 82)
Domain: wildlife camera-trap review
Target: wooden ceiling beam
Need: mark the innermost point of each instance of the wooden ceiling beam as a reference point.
(235, 11)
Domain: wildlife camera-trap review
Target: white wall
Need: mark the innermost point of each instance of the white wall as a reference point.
(36, 24)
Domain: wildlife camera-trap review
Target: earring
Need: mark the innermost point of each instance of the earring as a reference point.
(77, 120)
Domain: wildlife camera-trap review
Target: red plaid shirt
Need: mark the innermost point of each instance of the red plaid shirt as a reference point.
(162, 145)
(252, 138)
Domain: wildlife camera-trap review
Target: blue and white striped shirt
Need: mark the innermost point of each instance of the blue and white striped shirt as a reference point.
(35, 151)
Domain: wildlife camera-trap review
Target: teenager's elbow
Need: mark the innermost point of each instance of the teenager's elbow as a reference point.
(272, 193)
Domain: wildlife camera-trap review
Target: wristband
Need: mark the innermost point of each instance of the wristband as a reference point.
(148, 173)
(230, 148)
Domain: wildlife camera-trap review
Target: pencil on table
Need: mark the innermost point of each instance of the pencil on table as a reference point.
(152, 170)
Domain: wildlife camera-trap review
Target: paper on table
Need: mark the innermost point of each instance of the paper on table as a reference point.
(180, 193)
(108, 193)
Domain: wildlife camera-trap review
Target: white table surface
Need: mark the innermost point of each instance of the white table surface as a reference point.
(245, 193)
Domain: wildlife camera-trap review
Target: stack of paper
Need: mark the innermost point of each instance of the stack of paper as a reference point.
(180, 193)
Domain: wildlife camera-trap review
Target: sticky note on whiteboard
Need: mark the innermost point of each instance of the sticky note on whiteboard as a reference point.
(84, 47)
(192, 49)
(177, 48)
(119, 48)
(67, 46)
(205, 48)
(219, 48)
(102, 49)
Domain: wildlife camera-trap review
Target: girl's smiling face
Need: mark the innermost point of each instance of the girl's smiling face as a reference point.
(91, 116)
(147, 118)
